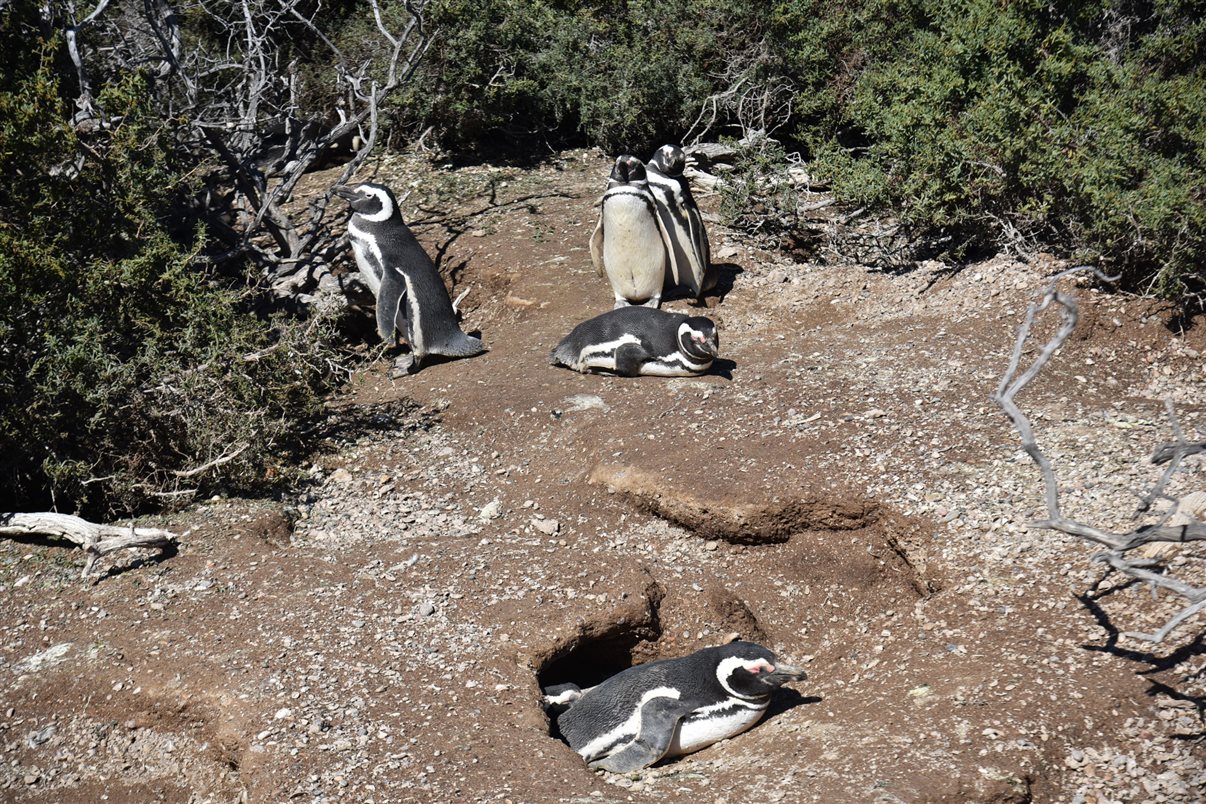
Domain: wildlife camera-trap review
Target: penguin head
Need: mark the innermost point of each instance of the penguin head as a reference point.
(697, 338)
(627, 170)
(370, 201)
(671, 160)
(748, 670)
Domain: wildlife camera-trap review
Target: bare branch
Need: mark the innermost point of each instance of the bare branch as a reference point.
(1118, 544)
(71, 34)
(96, 540)
(205, 467)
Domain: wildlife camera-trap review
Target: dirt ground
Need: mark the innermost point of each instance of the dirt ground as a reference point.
(840, 489)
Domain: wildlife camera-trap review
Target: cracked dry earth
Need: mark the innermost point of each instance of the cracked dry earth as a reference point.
(843, 491)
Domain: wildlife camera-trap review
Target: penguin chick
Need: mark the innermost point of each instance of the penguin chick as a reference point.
(627, 245)
(688, 252)
(640, 340)
(673, 707)
(411, 297)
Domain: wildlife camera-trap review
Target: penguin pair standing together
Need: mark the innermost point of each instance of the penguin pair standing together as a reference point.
(650, 234)
(411, 297)
(650, 237)
(668, 708)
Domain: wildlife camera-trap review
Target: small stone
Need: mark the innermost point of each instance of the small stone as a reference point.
(491, 510)
(427, 609)
(341, 476)
(548, 527)
(283, 713)
(712, 546)
(41, 736)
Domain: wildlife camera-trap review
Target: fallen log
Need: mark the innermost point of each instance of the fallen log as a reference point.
(94, 539)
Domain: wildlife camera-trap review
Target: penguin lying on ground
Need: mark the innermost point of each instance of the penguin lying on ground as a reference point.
(411, 297)
(626, 245)
(639, 340)
(671, 707)
(686, 241)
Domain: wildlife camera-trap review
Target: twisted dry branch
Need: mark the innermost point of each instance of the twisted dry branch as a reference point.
(1117, 544)
(95, 540)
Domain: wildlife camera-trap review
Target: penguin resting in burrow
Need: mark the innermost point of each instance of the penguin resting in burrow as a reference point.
(627, 245)
(630, 341)
(411, 297)
(688, 252)
(671, 707)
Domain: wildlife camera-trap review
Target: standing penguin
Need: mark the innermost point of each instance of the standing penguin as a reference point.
(674, 706)
(626, 245)
(682, 228)
(639, 340)
(411, 297)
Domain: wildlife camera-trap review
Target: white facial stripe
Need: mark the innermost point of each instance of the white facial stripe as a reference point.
(726, 668)
(628, 730)
(563, 697)
(387, 207)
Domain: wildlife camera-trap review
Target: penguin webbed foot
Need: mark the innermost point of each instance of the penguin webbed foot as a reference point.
(403, 365)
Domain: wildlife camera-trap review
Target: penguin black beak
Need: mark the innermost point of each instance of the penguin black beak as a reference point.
(344, 191)
(784, 673)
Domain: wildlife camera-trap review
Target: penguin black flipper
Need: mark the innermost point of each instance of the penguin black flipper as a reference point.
(629, 359)
(596, 247)
(659, 721)
(391, 307)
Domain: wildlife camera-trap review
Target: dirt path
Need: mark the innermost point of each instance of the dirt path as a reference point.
(846, 495)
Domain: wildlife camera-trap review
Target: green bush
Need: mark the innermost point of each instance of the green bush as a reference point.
(992, 124)
(626, 76)
(124, 366)
(978, 124)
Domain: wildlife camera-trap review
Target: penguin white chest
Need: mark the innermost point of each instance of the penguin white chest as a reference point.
(633, 253)
(711, 724)
(368, 258)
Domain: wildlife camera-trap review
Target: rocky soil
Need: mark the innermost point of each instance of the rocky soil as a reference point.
(841, 489)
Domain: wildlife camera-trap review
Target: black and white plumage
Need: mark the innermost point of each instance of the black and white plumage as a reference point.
(672, 707)
(626, 245)
(688, 252)
(640, 340)
(411, 297)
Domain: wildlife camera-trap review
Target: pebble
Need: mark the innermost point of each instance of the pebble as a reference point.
(548, 527)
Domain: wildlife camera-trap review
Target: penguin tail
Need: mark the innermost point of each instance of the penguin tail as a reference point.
(464, 346)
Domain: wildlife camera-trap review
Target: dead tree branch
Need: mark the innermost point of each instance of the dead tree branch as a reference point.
(1117, 544)
(95, 540)
(238, 82)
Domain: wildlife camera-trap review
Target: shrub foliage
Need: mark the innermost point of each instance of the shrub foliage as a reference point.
(125, 367)
(1074, 126)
